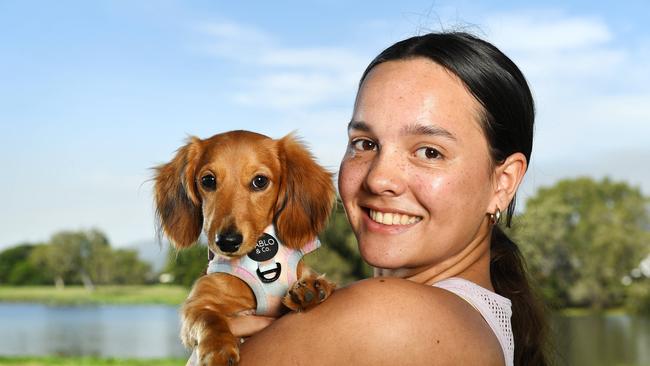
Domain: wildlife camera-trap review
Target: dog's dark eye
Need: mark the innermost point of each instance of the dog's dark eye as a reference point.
(259, 182)
(209, 182)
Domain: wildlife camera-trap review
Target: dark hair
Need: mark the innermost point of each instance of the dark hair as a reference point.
(507, 120)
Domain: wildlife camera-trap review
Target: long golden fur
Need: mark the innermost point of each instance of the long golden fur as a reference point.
(296, 195)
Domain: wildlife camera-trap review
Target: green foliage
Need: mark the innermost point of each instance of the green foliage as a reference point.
(187, 265)
(16, 269)
(638, 297)
(581, 237)
(72, 257)
(128, 269)
(339, 256)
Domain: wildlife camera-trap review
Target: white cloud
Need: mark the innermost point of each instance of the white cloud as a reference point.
(282, 77)
(296, 89)
(324, 58)
(557, 49)
(544, 31)
(234, 41)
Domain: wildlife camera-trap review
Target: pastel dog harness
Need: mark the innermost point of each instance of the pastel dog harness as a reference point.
(269, 270)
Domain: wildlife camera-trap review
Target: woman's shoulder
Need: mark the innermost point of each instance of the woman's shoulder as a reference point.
(425, 319)
(382, 321)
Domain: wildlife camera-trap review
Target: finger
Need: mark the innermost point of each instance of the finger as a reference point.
(248, 325)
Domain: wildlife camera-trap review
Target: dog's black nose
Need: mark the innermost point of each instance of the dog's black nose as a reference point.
(229, 242)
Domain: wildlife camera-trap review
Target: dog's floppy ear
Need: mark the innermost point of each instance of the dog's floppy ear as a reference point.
(306, 194)
(178, 204)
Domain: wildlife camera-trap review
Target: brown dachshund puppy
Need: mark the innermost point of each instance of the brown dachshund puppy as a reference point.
(233, 187)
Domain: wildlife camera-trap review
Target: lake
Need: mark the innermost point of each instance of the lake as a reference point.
(151, 331)
(142, 331)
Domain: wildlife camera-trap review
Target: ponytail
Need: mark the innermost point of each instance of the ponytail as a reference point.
(509, 278)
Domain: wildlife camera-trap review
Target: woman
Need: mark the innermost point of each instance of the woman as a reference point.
(439, 141)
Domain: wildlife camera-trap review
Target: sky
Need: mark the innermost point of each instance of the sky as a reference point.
(93, 94)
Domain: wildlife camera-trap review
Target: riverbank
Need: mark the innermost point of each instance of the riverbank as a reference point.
(78, 295)
(87, 361)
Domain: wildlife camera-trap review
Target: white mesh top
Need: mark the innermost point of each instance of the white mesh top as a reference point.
(495, 309)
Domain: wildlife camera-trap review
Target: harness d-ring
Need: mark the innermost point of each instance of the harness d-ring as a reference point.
(274, 271)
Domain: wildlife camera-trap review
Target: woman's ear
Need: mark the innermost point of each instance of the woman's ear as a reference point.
(507, 178)
(306, 194)
(178, 204)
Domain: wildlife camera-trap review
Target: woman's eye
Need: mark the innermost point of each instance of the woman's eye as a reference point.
(428, 153)
(209, 182)
(259, 182)
(364, 145)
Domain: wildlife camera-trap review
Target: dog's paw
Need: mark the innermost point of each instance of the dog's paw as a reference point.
(224, 355)
(308, 292)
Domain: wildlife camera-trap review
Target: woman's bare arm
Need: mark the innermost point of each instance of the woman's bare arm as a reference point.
(378, 322)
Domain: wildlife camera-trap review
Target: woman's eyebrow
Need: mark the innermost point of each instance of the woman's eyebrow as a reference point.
(358, 125)
(418, 129)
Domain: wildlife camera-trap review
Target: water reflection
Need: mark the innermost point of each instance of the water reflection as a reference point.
(116, 331)
(602, 340)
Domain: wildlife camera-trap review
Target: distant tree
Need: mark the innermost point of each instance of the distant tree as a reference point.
(187, 265)
(638, 296)
(9, 258)
(58, 262)
(581, 237)
(16, 269)
(86, 257)
(129, 269)
(76, 252)
(100, 264)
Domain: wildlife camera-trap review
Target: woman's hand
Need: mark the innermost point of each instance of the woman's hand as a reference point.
(247, 325)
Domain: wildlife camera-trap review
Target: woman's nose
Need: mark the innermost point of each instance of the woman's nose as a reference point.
(385, 175)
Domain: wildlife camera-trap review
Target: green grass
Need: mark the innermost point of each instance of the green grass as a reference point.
(77, 295)
(87, 361)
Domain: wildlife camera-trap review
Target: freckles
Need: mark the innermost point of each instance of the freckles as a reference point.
(350, 175)
(353, 165)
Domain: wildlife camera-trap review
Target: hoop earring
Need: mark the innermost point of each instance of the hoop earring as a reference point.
(495, 217)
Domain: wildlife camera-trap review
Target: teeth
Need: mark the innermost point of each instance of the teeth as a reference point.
(404, 220)
(391, 218)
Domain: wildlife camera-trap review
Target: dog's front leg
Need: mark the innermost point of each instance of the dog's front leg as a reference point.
(213, 299)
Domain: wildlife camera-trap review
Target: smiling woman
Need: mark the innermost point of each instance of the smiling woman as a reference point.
(417, 158)
(439, 141)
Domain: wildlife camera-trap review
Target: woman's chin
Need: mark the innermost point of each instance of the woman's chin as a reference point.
(382, 255)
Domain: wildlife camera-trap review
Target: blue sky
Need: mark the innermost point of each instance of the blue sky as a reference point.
(94, 93)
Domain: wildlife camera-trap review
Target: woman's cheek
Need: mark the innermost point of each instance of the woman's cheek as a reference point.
(429, 187)
(349, 179)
